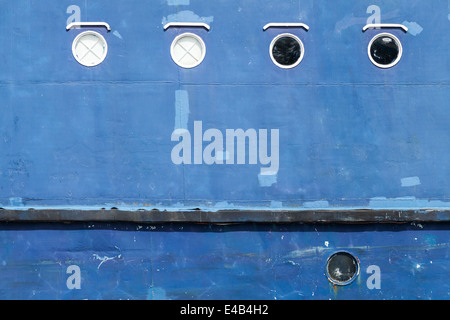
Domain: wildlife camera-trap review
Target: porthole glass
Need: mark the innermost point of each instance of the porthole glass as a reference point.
(89, 48)
(286, 50)
(342, 268)
(188, 50)
(385, 50)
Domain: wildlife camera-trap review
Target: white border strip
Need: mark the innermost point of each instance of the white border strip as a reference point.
(187, 24)
(385, 25)
(286, 25)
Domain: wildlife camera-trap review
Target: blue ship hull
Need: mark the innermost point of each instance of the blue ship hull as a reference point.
(231, 262)
(128, 179)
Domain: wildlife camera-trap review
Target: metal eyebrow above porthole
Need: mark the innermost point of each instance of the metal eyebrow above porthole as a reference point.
(188, 49)
(89, 48)
(88, 24)
(187, 24)
(286, 50)
(384, 25)
(285, 25)
(384, 50)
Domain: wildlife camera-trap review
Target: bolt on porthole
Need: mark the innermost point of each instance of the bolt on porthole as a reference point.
(188, 50)
(384, 49)
(286, 49)
(342, 268)
(89, 48)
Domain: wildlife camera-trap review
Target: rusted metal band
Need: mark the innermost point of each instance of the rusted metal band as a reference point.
(357, 216)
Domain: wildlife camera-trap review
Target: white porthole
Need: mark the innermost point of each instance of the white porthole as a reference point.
(89, 48)
(188, 50)
(385, 50)
(286, 50)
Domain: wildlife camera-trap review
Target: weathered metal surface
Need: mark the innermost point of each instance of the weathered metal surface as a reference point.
(247, 261)
(351, 135)
(90, 168)
(228, 216)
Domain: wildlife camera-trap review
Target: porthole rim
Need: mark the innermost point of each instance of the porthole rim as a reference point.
(197, 37)
(97, 35)
(296, 38)
(400, 50)
(342, 283)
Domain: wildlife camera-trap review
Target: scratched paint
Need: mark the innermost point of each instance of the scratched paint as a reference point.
(267, 180)
(117, 34)
(179, 261)
(352, 136)
(181, 109)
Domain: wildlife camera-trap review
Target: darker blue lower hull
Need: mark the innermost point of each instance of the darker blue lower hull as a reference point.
(207, 261)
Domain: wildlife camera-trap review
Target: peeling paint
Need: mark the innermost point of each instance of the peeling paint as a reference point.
(186, 16)
(223, 205)
(406, 202)
(156, 293)
(181, 109)
(16, 202)
(413, 27)
(410, 181)
(276, 204)
(316, 204)
(267, 180)
(178, 2)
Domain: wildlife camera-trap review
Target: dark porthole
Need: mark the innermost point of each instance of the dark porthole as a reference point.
(342, 268)
(286, 50)
(385, 50)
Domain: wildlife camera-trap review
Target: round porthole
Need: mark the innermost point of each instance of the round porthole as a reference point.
(89, 48)
(286, 50)
(385, 50)
(188, 50)
(342, 268)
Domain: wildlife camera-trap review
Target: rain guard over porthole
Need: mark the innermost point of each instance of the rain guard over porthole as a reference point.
(286, 50)
(188, 50)
(89, 48)
(385, 50)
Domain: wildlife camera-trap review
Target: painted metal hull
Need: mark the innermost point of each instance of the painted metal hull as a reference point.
(204, 262)
(95, 206)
